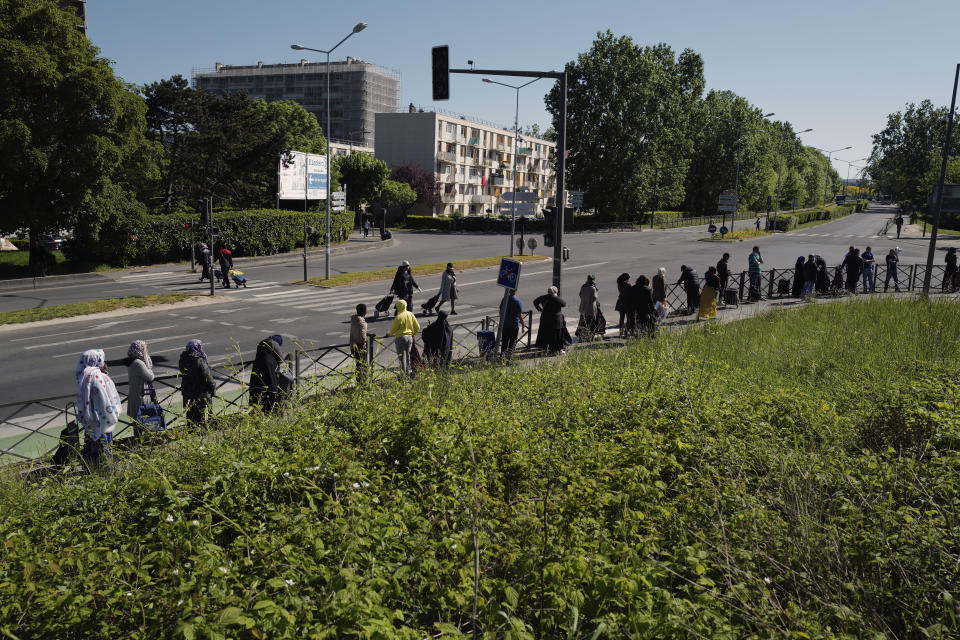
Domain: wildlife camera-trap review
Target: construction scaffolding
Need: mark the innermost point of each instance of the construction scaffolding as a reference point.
(358, 90)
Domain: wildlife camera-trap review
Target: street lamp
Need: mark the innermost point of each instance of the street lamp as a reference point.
(783, 139)
(849, 163)
(736, 184)
(826, 180)
(360, 26)
(516, 143)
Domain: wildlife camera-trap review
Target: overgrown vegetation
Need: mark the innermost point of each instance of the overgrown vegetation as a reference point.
(90, 306)
(793, 475)
(356, 277)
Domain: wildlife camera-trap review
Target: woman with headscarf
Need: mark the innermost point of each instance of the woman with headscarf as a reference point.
(139, 374)
(552, 336)
(98, 403)
(691, 285)
(264, 378)
(204, 262)
(660, 286)
(448, 289)
(623, 297)
(591, 318)
(196, 384)
(438, 341)
(708, 297)
(642, 305)
(404, 284)
(797, 287)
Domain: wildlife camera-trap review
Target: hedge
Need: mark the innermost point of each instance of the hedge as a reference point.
(787, 221)
(249, 232)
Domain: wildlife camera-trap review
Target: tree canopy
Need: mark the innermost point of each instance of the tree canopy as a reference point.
(363, 175)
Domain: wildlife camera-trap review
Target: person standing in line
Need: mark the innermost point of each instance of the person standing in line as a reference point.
(225, 258)
(869, 275)
(98, 403)
(797, 288)
(853, 263)
(196, 383)
(358, 341)
(823, 277)
(754, 262)
(205, 262)
(404, 284)
(723, 272)
(643, 318)
(448, 289)
(438, 341)
(708, 297)
(950, 268)
(623, 294)
(366, 227)
(139, 374)
(591, 322)
(265, 376)
(691, 285)
(899, 222)
(552, 335)
(660, 286)
(404, 328)
(892, 260)
(512, 321)
(810, 272)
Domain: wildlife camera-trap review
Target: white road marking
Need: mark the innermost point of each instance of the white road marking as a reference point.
(63, 333)
(120, 346)
(152, 274)
(243, 326)
(231, 310)
(95, 338)
(285, 292)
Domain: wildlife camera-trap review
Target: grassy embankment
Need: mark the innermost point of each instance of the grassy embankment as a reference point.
(91, 306)
(357, 277)
(793, 476)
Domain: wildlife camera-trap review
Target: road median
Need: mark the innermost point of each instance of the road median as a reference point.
(426, 269)
(99, 308)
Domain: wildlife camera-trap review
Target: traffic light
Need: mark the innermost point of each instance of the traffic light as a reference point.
(441, 73)
(204, 214)
(548, 239)
(310, 231)
(566, 253)
(187, 225)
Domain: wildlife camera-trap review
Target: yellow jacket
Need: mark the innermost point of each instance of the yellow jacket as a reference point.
(405, 323)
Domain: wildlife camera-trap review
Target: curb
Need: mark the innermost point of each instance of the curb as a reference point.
(191, 302)
(18, 284)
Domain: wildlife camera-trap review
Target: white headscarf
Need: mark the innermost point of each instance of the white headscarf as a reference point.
(98, 403)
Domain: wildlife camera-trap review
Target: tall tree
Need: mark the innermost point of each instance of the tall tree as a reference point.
(628, 112)
(423, 182)
(397, 194)
(363, 175)
(70, 131)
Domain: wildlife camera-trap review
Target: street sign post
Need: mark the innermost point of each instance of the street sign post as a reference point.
(575, 199)
(532, 243)
(509, 279)
(727, 202)
(724, 230)
(712, 228)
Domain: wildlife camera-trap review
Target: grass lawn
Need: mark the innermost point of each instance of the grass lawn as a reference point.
(88, 307)
(793, 475)
(341, 279)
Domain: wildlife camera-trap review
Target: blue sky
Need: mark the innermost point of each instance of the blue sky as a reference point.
(839, 67)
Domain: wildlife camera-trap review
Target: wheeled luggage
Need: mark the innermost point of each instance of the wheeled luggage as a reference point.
(238, 278)
(383, 306)
(150, 414)
(730, 297)
(430, 304)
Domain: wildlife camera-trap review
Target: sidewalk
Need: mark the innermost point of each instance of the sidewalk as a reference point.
(355, 244)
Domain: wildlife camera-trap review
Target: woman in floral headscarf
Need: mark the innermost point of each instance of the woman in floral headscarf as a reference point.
(139, 374)
(98, 403)
(196, 384)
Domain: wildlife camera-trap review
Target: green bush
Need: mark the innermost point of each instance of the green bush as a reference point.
(757, 479)
(252, 232)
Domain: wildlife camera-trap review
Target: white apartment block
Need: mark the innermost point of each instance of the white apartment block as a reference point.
(346, 147)
(473, 161)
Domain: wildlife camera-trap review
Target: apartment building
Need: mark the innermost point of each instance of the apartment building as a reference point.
(346, 147)
(473, 161)
(358, 90)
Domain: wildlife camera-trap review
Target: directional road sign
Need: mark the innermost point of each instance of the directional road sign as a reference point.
(521, 196)
(575, 199)
(338, 201)
(509, 273)
(727, 202)
(523, 208)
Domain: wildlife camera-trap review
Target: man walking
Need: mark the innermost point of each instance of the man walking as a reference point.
(899, 222)
(869, 277)
(723, 271)
(754, 260)
(892, 260)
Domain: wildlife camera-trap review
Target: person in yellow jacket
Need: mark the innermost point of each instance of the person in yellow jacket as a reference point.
(404, 328)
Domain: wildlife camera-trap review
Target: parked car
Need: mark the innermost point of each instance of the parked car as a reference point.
(51, 242)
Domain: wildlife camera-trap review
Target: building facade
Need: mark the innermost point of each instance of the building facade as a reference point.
(79, 7)
(345, 147)
(358, 90)
(473, 161)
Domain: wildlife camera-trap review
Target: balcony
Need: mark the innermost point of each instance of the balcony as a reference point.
(524, 151)
(448, 197)
(496, 181)
(474, 141)
(479, 199)
(447, 156)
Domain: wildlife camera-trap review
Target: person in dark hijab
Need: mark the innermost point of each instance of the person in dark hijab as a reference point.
(642, 306)
(623, 297)
(797, 287)
(438, 341)
(264, 377)
(552, 336)
(196, 384)
(404, 284)
(691, 285)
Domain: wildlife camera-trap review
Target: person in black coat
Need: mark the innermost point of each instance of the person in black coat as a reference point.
(552, 335)
(196, 383)
(823, 278)
(438, 341)
(265, 389)
(404, 284)
(691, 285)
(950, 268)
(623, 295)
(205, 262)
(225, 258)
(723, 272)
(797, 287)
(642, 306)
(853, 263)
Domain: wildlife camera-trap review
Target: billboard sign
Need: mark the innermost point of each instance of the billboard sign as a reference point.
(302, 175)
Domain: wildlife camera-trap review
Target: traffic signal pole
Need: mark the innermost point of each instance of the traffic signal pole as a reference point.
(210, 233)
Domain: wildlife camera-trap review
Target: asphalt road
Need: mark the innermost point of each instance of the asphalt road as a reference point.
(44, 357)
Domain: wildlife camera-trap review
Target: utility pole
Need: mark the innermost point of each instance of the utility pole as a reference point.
(943, 172)
(210, 232)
